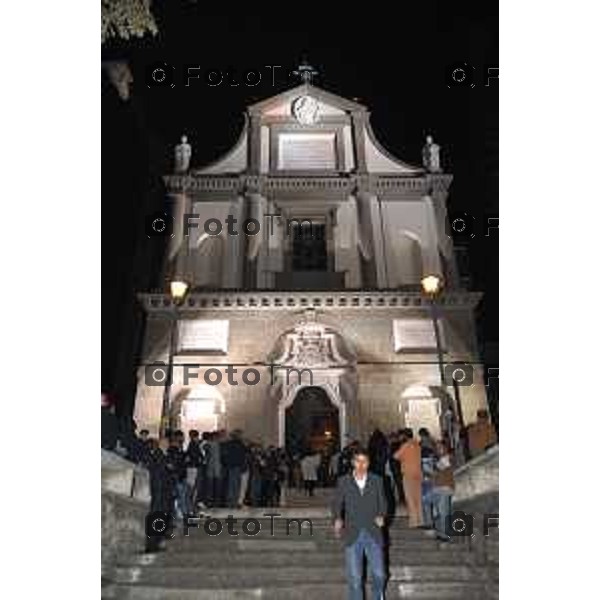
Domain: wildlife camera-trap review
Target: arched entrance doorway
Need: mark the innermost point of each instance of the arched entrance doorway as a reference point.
(312, 422)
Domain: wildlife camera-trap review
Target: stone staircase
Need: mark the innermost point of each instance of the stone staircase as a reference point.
(298, 565)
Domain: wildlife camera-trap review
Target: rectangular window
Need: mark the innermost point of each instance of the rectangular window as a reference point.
(309, 247)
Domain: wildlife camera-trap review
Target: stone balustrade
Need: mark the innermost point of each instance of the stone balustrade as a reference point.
(348, 183)
(477, 495)
(124, 478)
(124, 503)
(476, 483)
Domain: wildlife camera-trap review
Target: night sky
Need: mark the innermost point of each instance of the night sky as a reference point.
(394, 63)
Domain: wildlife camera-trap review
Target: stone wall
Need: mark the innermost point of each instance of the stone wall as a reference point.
(253, 335)
(477, 494)
(477, 482)
(124, 478)
(123, 515)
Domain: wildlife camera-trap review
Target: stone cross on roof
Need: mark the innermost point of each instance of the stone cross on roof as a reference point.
(306, 72)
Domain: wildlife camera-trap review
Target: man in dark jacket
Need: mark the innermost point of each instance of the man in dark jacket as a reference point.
(359, 509)
(234, 461)
(177, 464)
(345, 460)
(196, 460)
(214, 471)
(378, 452)
(161, 488)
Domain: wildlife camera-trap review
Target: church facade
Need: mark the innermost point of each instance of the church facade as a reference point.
(304, 248)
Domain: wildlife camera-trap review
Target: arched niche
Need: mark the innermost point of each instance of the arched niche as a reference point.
(208, 261)
(198, 407)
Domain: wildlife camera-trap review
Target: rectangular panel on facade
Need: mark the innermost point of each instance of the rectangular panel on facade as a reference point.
(204, 335)
(415, 334)
(306, 151)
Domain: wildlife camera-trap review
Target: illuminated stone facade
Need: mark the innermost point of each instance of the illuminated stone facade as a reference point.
(344, 302)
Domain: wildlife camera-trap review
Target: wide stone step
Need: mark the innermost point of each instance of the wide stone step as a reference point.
(281, 533)
(331, 591)
(291, 543)
(198, 537)
(274, 558)
(278, 525)
(232, 575)
(317, 522)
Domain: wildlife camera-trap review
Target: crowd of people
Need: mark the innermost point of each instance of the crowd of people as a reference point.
(223, 469)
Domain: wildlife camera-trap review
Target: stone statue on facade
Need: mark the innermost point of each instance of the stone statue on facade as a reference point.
(431, 155)
(183, 154)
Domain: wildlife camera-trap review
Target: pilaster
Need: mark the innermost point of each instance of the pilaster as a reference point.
(346, 243)
(358, 128)
(234, 256)
(177, 261)
(378, 240)
(254, 145)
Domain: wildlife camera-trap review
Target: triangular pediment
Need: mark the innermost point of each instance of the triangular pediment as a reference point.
(330, 104)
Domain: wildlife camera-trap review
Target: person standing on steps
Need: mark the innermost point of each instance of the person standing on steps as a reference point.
(409, 457)
(378, 452)
(233, 459)
(359, 510)
(161, 489)
(443, 489)
(213, 471)
(310, 465)
(193, 459)
(177, 465)
(428, 460)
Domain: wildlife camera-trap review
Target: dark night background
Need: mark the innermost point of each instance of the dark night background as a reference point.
(393, 63)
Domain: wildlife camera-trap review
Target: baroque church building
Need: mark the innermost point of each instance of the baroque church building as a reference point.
(309, 325)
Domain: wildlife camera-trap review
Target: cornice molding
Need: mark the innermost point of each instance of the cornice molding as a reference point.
(227, 300)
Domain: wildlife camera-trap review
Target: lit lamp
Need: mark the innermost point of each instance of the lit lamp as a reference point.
(431, 284)
(178, 290)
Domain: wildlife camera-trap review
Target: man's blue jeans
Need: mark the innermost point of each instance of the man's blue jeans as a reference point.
(442, 509)
(182, 498)
(365, 544)
(428, 502)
